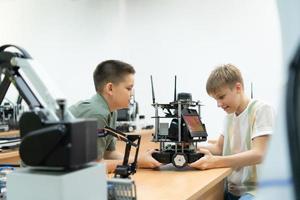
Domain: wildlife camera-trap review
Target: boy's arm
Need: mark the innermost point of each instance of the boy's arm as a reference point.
(215, 148)
(113, 155)
(111, 160)
(246, 158)
(146, 160)
(114, 158)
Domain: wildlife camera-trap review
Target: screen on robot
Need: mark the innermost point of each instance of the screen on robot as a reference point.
(193, 123)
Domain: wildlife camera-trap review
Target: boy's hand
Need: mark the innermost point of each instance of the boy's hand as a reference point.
(208, 161)
(147, 161)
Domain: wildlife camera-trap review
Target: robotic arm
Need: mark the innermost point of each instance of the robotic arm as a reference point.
(18, 68)
(126, 169)
(51, 137)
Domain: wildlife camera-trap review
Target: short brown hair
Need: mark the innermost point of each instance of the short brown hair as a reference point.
(223, 75)
(111, 71)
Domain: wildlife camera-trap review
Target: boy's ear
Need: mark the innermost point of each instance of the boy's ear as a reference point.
(108, 88)
(238, 87)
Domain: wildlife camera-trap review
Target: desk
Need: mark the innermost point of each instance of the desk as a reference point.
(10, 156)
(172, 183)
(146, 137)
(13, 133)
(168, 182)
(180, 184)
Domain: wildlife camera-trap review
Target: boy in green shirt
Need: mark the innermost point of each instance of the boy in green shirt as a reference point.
(114, 81)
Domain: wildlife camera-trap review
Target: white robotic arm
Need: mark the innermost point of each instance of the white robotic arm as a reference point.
(21, 71)
(51, 137)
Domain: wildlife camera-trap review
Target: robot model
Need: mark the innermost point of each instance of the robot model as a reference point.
(178, 139)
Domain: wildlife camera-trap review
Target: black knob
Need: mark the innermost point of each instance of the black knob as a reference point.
(62, 104)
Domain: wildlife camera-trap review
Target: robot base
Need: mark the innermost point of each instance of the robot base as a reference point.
(88, 183)
(178, 159)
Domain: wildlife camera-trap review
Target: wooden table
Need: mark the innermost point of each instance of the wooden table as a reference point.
(9, 156)
(168, 182)
(172, 183)
(13, 133)
(146, 137)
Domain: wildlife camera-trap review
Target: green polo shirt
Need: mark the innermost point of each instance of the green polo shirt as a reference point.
(96, 107)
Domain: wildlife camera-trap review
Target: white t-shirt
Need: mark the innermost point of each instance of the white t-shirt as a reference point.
(256, 120)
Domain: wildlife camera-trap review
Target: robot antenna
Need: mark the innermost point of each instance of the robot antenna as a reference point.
(152, 87)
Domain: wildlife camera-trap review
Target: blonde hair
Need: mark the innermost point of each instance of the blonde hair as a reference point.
(223, 75)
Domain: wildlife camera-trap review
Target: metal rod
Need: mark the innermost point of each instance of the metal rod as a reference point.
(156, 122)
(179, 121)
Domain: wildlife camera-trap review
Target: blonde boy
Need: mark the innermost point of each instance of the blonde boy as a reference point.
(247, 129)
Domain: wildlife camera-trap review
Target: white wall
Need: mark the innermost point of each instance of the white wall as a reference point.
(159, 37)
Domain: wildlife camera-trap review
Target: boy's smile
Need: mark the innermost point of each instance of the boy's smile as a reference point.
(225, 108)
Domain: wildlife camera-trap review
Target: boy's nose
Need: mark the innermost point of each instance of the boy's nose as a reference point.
(132, 92)
(219, 103)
